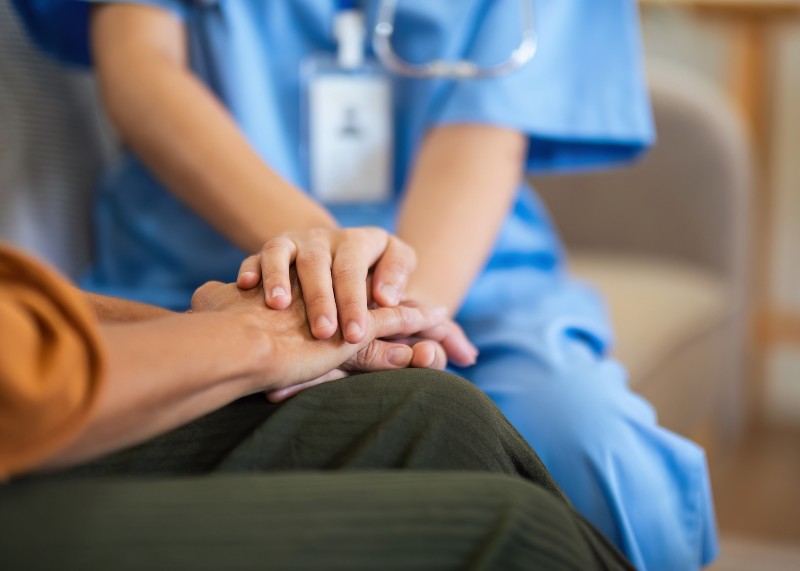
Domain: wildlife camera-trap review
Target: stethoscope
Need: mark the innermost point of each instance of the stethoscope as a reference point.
(383, 47)
(462, 69)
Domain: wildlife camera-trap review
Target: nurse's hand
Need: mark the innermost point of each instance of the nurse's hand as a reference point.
(447, 334)
(333, 266)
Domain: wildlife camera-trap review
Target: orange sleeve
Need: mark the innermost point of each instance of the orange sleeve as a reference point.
(51, 363)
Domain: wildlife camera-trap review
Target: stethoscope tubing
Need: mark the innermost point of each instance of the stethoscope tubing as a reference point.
(440, 69)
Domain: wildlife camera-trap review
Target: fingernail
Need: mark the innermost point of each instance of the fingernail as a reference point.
(279, 292)
(322, 322)
(391, 293)
(399, 356)
(353, 329)
(247, 275)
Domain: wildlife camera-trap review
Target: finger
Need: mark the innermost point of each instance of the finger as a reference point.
(429, 355)
(249, 273)
(281, 395)
(275, 260)
(202, 299)
(350, 268)
(314, 273)
(380, 356)
(404, 321)
(392, 272)
(449, 334)
(459, 349)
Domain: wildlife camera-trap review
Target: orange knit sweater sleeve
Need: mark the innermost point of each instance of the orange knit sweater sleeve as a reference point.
(51, 363)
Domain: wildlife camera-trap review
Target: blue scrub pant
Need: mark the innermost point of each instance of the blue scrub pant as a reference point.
(543, 340)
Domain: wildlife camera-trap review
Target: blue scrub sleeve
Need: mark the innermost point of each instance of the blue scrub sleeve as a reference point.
(582, 100)
(61, 27)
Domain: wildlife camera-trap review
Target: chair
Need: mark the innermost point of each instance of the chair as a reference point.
(666, 243)
(53, 145)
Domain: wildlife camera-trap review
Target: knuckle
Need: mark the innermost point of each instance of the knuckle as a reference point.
(202, 295)
(370, 355)
(407, 319)
(249, 261)
(272, 277)
(319, 235)
(356, 241)
(350, 234)
(365, 235)
(375, 231)
(312, 259)
(351, 304)
(276, 245)
(318, 300)
(346, 272)
(199, 296)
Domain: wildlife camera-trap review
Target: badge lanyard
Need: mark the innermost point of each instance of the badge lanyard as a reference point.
(349, 122)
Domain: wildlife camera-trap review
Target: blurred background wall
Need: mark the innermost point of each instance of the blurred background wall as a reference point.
(714, 43)
(751, 48)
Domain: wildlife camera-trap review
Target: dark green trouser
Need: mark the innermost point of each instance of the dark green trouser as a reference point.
(200, 498)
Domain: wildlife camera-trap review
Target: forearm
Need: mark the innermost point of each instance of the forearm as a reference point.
(461, 189)
(115, 310)
(165, 373)
(183, 133)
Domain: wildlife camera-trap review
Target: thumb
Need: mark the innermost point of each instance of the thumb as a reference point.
(380, 355)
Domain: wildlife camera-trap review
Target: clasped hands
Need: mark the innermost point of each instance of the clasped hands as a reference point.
(333, 302)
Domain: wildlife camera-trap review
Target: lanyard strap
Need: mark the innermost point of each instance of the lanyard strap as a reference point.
(350, 33)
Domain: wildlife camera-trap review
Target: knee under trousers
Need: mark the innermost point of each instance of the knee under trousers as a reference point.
(401, 470)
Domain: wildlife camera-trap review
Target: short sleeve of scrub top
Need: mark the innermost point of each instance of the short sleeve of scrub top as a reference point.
(178, 8)
(61, 27)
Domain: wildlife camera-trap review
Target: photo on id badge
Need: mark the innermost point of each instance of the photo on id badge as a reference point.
(349, 131)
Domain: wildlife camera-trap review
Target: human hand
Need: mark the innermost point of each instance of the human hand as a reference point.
(449, 335)
(332, 266)
(294, 360)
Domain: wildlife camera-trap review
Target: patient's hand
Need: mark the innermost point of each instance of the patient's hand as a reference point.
(294, 360)
(332, 266)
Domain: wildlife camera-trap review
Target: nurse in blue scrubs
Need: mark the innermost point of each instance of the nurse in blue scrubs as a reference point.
(234, 143)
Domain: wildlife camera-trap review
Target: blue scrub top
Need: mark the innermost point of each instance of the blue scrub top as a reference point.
(582, 102)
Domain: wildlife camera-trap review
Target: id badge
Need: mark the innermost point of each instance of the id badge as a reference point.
(350, 134)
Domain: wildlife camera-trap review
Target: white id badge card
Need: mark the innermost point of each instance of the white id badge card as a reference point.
(350, 137)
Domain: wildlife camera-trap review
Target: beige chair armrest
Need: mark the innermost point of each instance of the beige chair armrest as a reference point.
(686, 201)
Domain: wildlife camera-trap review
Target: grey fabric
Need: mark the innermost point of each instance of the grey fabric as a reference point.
(53, 144)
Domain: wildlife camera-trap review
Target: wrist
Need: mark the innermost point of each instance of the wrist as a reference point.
(252, 348)
(230, 347)
(292, 211)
